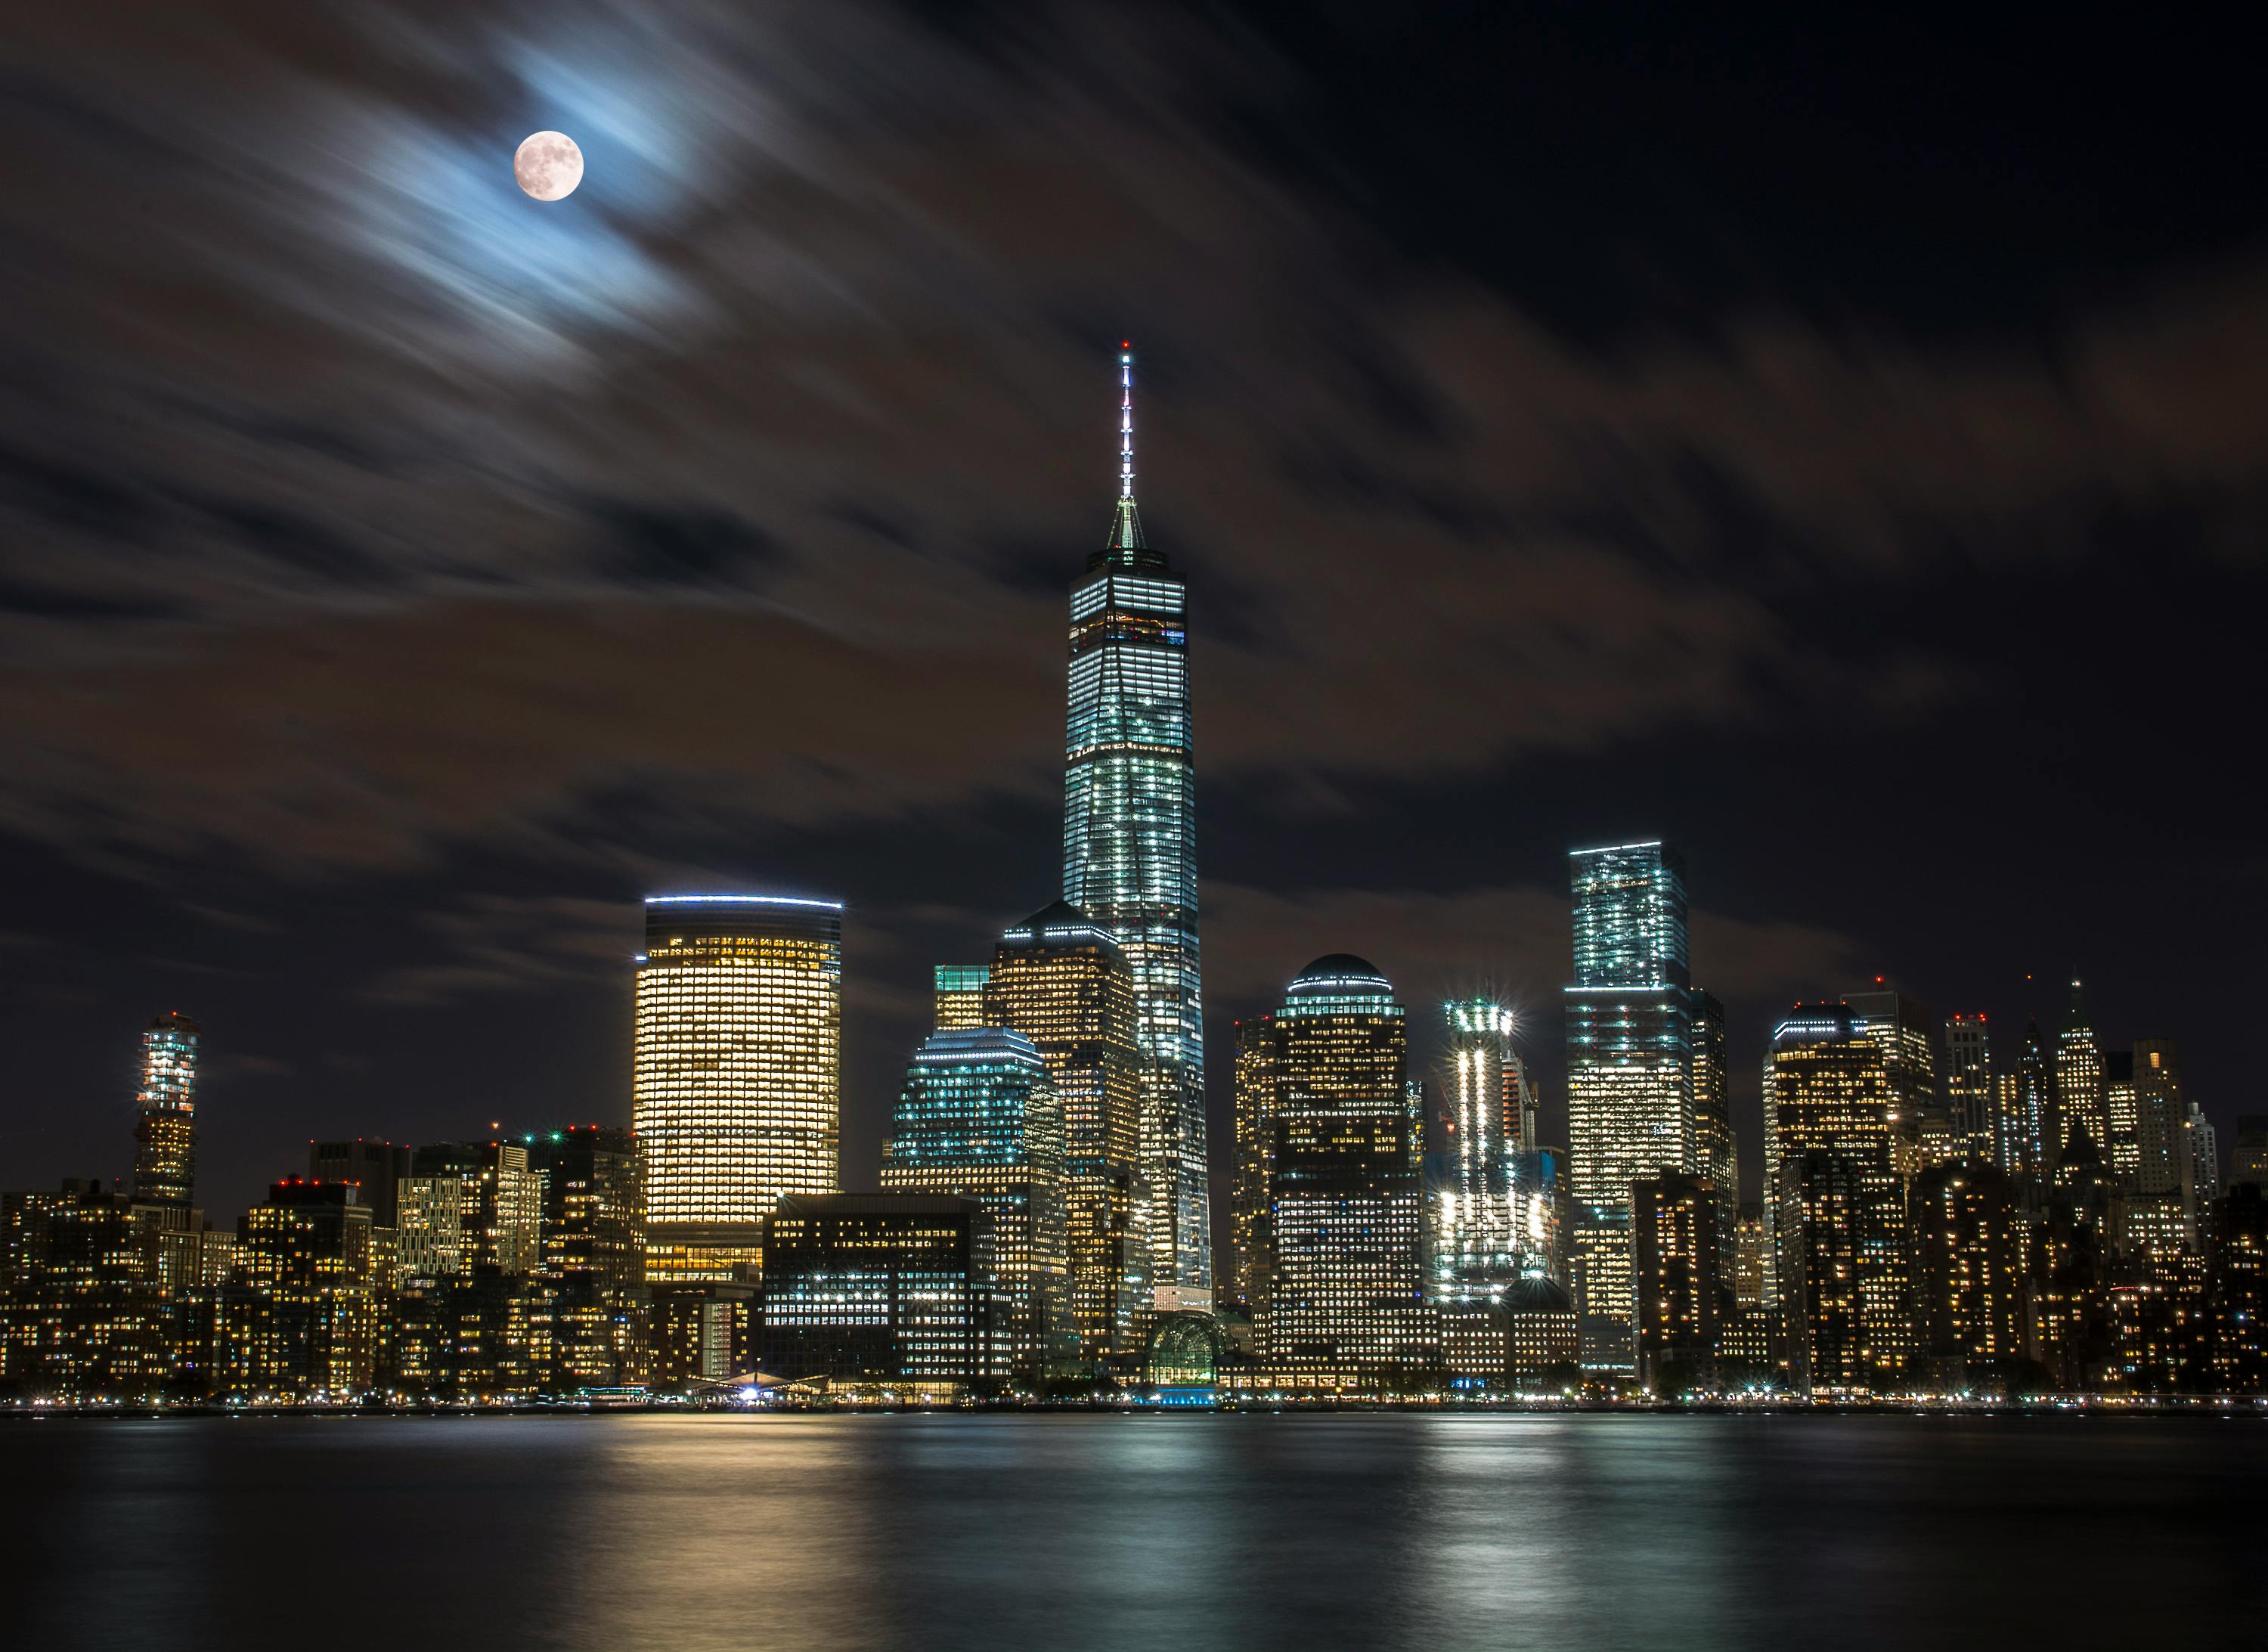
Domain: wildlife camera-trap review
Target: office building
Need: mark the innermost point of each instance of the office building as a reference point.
(1968, 1242)
(2079, 1076)
(1839, 1246)
(165, 1114)
(978, 1119)
(1675, 1252)
(737, 1059)
(1716, 1153)
(960, 995)
(1257, 1098)
(299, 1321)
(1969, 1086)
(1060, 981)
(1630, 1061)
(80, 1316)
(1748, 1248)
(468, 1207)
(1343, 1306)
(2031, 1113)
(375, 1167)
(1475, 1218)
(2122, 1116)
(592, 1204)
(1907, 1034)
(1545, 1348)
(881, 1292)
(1130, 854)
(2240, 1291)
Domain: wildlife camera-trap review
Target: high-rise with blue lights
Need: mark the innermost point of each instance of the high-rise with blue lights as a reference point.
(1130, 854)
(737, 1065)
(1630, 1072)
(165, 1114)
(978, 1118)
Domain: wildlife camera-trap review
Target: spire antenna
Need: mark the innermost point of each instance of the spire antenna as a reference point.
(1126, 418)
(1125, 540)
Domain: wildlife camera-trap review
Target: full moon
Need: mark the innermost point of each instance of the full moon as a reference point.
(548, 165)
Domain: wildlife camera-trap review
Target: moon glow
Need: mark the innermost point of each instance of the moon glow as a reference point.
(548, 165)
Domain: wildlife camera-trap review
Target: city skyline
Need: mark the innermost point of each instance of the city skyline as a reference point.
(1559, 454)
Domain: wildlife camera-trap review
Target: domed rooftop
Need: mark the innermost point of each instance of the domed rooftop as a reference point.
(1535, 1294)
(1342, 973)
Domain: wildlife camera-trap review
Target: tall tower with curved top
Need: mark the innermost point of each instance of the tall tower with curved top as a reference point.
(1129, 852)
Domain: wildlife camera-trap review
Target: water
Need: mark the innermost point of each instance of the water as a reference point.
(1690, 1532)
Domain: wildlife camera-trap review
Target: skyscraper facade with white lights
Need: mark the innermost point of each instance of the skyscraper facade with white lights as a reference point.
(737, 1059)
(1130, 854)
(1630, 1068)
(1476, 1227)
(165, 1114)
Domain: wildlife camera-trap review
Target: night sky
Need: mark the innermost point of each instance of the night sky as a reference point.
(1840, 446)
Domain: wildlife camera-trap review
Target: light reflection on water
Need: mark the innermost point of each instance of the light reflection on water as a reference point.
(1183, 1531)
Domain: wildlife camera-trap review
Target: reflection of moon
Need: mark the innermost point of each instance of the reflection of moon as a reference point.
(548, 165)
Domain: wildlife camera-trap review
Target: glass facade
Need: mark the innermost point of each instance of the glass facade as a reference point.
(1345, 1298)
(1129, 855)
(1475, 1222)
(883, 1290)
(1061, 982)
(959, 992)
(165, 1114)
(737, 1095)
(1629, 1067)
(978, 1119)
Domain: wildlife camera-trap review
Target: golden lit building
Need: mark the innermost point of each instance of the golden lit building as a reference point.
(1836, 1202)
(1968, 1255)
(299, 1323)
(2079, 1078)
(737, 1087)
(1059, 980)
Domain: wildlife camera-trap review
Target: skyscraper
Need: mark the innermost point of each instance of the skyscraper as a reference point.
(1674, 1265)
(1716, 1152)
(1968, 1252)
(1343, 1301)
(2079, 1078)
(1256, 1097)
(165, 1114)
(1969, 1084)
(1907, 1037)
(1476, 1231)
(1129, 852)
(2122, 1114)
(1839, 1222)
(978, 1119)
(1630, 1082)
(2030, 1115)
(960, 995)
(736, 1083)
(1061, 983)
